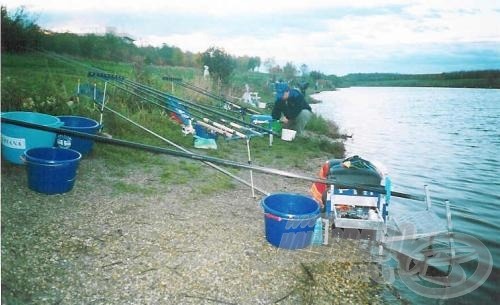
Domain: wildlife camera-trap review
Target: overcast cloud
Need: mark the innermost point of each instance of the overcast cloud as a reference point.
(334, 37)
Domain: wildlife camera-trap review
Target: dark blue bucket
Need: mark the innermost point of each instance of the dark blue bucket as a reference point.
(51, 170)
(81, 124)
(290, 219)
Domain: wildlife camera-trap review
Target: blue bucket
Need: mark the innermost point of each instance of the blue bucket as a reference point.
(17, 139)
(290, 219)
(51, 170)
(81, 124)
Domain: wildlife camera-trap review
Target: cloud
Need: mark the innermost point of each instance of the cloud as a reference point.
(427, 58)
(324, 34)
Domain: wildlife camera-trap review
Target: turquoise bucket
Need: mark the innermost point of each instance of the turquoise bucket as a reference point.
(16, 139)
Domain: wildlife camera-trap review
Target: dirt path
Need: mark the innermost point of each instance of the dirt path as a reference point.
(97, 245)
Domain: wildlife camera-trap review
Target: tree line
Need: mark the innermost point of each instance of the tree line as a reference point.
(20, 33)
(460, 79)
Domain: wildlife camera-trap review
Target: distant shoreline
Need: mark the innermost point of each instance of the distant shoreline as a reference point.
(487, 79)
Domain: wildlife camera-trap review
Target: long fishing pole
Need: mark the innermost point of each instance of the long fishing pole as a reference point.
(240, 108)
(210, 94)
(186, 103)
(155, 149)
(205, 122)
(201, 117)
(191, 107)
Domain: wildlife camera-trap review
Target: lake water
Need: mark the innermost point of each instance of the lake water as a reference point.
(446, 138)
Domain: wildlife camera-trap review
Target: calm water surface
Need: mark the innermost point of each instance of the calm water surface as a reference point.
(446, 138)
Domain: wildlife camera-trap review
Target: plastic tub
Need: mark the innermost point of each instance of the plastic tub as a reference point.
(51, 170)
(289, 219)
(17, 139)
(81, 124)
(288, 134)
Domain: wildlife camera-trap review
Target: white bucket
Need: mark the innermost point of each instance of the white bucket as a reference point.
(262, 105)
(288, 134)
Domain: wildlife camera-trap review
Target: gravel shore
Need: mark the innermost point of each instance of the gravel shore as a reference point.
(95, 245)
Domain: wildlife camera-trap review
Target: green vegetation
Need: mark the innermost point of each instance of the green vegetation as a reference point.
(45, 83)
(172, 174)
(322, 126)
(221, 64)
(462, 79)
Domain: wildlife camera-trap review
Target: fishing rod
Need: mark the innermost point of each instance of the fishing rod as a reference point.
(208, 93)
(227, 106)
(201, 120)
(225, 128)
(182, 102)
(192, 104)
(242, 128)
(192, 107)
(155, 149)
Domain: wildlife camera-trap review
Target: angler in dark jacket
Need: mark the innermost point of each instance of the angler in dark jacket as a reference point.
(291, 103)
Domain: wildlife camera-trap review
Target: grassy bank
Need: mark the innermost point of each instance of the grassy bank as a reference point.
(48, 84)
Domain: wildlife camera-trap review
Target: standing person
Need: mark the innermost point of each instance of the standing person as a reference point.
(291, 103)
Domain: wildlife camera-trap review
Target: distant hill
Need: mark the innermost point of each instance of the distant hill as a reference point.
(462, 79)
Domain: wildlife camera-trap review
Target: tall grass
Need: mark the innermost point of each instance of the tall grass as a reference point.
(323, 126)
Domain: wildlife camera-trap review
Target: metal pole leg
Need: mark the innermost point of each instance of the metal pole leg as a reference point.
(250, 163)
(103, 101)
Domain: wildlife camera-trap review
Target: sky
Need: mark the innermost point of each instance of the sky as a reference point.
(330, 36)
